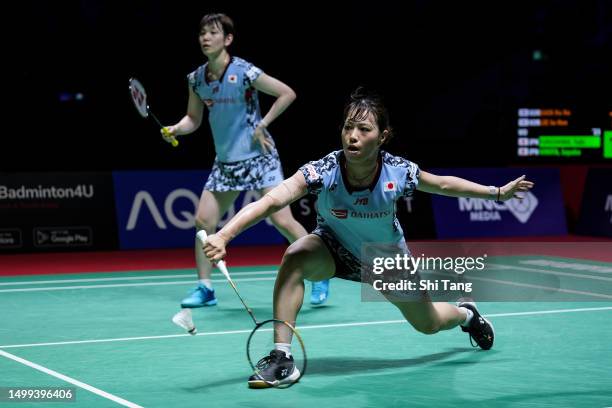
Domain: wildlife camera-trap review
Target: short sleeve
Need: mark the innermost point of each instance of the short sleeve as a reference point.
(314, 172)
(314, 178)
(194, 79)
(412, 179)
(251, 73)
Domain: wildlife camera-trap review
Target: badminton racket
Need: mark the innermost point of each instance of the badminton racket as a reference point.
(139, 97)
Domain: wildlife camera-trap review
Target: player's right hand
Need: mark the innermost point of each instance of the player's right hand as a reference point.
(214, 248)
(168, 133)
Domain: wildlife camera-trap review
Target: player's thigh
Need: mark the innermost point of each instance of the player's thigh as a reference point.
(311, 257)
(212, 206)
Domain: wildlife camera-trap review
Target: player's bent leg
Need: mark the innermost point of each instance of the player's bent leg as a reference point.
(292, 230)
(428, 317)
(306, 258)
(421, 314)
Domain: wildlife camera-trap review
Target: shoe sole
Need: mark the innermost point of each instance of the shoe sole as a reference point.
(492, 330)
(318, 304)
(209, 303)
(259, 384)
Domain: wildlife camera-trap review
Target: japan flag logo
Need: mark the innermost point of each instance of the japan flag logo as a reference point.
(389, 186)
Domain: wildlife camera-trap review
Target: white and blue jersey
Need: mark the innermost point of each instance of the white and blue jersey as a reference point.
(356, 217)
(233, 108)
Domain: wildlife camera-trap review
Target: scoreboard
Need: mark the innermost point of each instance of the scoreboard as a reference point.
(564, 133)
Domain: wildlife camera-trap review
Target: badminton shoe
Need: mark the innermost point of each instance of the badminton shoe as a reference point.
(183, 319)
(274, 370)
(480, 329)
(320, 292)
(200, 297)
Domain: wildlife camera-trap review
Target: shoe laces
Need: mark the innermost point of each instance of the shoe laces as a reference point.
(274, 357)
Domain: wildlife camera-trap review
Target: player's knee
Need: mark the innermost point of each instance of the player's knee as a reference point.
(294, 256)
(205, 223)
(297, 258)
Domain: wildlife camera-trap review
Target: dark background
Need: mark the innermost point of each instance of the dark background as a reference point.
(452, 75)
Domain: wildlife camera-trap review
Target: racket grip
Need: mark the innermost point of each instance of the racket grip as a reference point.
(202, 236)
(173, 140)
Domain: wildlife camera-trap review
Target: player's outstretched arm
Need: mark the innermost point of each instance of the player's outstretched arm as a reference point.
(282, 195)
(458, 187)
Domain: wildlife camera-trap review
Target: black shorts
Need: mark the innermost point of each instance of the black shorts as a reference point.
(348, 266)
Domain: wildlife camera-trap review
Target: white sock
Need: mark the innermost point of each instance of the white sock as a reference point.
(205, 282)
(470, 314)
(286, 347)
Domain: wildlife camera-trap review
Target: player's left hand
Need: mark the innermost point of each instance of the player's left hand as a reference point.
(511, 189)
(261, 137)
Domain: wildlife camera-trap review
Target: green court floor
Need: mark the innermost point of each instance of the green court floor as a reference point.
(110, 337)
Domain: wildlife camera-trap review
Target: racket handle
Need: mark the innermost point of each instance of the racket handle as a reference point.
(173, 140)
(202, 236)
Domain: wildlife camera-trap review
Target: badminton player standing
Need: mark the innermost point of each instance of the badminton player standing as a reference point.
(246, 156)
(360, 170)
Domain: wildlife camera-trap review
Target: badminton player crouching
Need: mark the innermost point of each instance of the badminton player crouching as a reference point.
(360, 177)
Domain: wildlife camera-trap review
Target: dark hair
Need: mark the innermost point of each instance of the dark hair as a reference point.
(361, 103)
(218, 19)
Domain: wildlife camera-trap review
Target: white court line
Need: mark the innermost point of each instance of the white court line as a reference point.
(526, 285)
(545, 271)
(309, 327)
(123, 285)
(70, 380)
(184, 275)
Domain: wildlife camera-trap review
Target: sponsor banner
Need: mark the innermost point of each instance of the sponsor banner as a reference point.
(10, 238)
(56, 212)
(47, 237)
(596, 209)
(304, 211)
(540, 212)
(156, 209)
